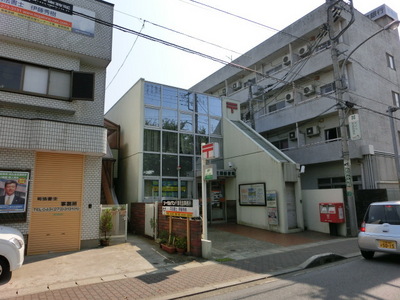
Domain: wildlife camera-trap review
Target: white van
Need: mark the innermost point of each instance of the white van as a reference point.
(12, 248)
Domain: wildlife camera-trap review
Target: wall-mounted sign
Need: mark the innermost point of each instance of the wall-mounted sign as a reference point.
(252, 194)
(53, 13)
(272, 208)
(354, 127)
(13, 191)
(210, 172)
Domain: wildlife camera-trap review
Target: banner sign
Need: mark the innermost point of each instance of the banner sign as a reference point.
(53, 13)
(13, 191)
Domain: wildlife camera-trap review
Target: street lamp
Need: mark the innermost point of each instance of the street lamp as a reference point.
(351, 215)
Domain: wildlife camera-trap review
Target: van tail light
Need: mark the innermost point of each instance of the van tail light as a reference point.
(362, 228)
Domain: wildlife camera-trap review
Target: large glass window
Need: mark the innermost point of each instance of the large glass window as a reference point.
(396, 99)
(215, 126)
(151, 164)
(170, 119)
(199, 140)
(151, 117)
(170, 165)
(201, 104)
(10, 75)
(186, 100)
(215, 106)
(186, 144)
(186, 122)
(187, 189)
(151, 140)
(186, 166)
(202, 124)
(332, 133)
(152, 94)
(169, 97)
(169, 188)
(151, 189)
(170, 142)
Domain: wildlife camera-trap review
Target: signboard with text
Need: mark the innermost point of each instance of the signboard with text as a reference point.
(181, 208)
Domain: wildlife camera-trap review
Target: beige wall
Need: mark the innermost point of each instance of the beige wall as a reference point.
(128, 113)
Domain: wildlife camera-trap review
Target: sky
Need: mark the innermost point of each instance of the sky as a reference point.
(184, 23)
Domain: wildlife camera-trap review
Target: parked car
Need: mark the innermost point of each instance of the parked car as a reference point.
(12, 249)
(380, 229)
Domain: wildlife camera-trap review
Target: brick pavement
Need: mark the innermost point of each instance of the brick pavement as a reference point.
(182, 280)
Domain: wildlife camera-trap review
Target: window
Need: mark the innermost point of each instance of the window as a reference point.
(215, 126)
(201, 104)
(151, 189)
(202, 124)
(46, 82)
(281, 144)
(170, 119)
(215, 106)
(170, 142)
(151, 164)
(390, 61)
(151, 117)
(186, 122)
(152, 94)
(396, 99)
(169, 97)
(151, 140)
(332, 134)
(338, 182)
(328, 88)
(276, 106)
(186, 101)
(186, 144)
(186, 166)
(170, 165)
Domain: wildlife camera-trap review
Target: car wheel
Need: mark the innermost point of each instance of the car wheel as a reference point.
(367, 254)
(4, 268)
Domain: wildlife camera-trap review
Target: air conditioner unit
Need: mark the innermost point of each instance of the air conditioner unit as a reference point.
(308, 90)
(237, 85)
(311, 131)
(289, 97)
(286, 60)
(304, 51)
(223, 92)
(292, 135)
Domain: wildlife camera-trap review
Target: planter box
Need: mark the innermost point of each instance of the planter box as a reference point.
(169, 249)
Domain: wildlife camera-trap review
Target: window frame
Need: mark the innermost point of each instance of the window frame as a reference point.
(76, 91)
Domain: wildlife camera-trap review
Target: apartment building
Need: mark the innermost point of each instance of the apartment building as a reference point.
(291, 99)
(53, 59)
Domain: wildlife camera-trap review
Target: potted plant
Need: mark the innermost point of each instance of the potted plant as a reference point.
(122, 210)
(169, 245)
(105, 227)
(181, 244)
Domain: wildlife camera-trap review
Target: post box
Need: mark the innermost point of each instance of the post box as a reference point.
(331, 212)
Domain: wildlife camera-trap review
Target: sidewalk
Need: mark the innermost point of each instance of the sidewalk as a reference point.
(138, 269)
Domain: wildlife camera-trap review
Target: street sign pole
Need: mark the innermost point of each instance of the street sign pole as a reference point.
(204, 195)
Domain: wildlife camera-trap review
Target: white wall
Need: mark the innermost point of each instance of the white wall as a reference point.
(311, 200)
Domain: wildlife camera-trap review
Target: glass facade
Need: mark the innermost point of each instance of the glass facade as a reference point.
(176, 122)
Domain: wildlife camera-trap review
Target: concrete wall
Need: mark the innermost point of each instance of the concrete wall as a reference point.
(311, 200)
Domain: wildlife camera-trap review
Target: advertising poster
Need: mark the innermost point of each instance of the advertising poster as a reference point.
(252, 194)
(13, 191)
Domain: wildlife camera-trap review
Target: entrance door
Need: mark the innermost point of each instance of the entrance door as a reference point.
(291, 205)
(55, 224)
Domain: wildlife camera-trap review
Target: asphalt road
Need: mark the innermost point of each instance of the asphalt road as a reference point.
(356, 278)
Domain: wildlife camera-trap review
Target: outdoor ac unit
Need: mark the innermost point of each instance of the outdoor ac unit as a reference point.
(314, 130)
(292, 135)
(308, 90)
(289, 97)
(237, 85)
(223, 92)
(286, 60)
(303, 51)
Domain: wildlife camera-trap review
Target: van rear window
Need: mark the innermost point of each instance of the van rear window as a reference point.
(379, 214)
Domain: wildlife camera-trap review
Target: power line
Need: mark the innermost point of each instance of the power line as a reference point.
(126, 57)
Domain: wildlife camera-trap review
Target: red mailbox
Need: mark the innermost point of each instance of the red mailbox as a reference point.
(331, 212)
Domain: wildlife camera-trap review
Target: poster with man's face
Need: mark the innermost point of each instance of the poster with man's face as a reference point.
(13, 191)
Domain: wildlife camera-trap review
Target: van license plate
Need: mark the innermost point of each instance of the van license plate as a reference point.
(387, 244)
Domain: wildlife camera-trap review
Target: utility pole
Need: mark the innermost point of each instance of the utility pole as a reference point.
(349, 201)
